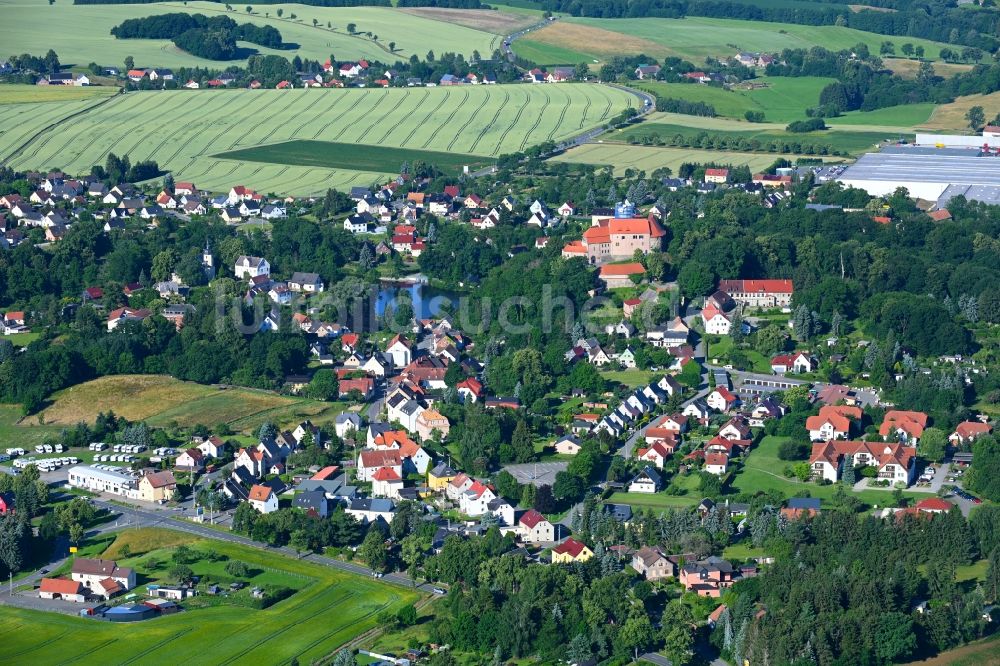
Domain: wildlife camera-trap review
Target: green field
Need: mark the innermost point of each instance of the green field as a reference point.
(852, 142)
(782, 100)
(328, 609)
(80, 33)
(695, 38)
(908, 115)
(17, 93)
(183, 129)
(163, 401)
(352, 156)
(647, 159)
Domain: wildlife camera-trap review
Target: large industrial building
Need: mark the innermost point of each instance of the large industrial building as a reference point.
(929, 173)
(935, 168)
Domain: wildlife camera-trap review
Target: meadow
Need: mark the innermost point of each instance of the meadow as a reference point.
(329, 608)
(163, 401)
(696, 38)
(81, 32)
(183, 129)
(647, 159)
(782, 100)
(852, 142)
(17, 93)
(352, 156)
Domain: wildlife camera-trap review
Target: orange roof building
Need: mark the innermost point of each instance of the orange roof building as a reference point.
(618, 238)
(897, 422)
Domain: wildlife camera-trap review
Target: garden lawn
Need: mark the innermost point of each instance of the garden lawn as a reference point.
(185, 130)
(742, 551)
(631, 377)
(328, 609)
(653, 501)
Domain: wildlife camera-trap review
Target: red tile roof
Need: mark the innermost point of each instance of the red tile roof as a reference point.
(531, 518)
(259, 493)
(756, 286)
(632, 268)
(934, 505)
(380, 458)
(570, 547)
(386, 474)
(61, 586)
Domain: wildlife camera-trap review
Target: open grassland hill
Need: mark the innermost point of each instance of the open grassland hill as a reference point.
(161, 400)
(694, 39)
(80, 34)
(182, 130)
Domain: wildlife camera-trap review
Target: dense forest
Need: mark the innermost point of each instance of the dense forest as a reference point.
(207, 37)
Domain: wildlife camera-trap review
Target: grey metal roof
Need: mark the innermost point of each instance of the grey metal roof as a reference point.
(919, 166)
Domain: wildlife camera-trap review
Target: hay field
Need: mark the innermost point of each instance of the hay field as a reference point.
(161, 401)
(80, 34)
(696, 38)
(183, 129)
(952, 116)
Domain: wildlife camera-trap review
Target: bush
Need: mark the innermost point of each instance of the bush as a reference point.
(793, 450)
(237, 569)
(811, 125)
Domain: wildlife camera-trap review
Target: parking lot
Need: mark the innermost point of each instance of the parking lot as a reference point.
(537, 474)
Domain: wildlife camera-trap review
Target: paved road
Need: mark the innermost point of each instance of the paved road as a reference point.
(703, 390)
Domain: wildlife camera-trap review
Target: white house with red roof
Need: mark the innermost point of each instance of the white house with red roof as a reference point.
(457, 486)
(716, 322)
(722, 399)
(759, 293)
(475, 500)
(470, 389)
(799, 363)
(533, 527)
(832, 422)
(969, 431)
(263, 499)
(386, 482)
(371, 461)
(401, 351)
(657, 453)
(895, 462)
(116, 317)
(717, 176)
(716, 463)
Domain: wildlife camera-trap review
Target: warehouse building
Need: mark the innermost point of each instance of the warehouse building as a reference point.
(103, 481)
(933, 174)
